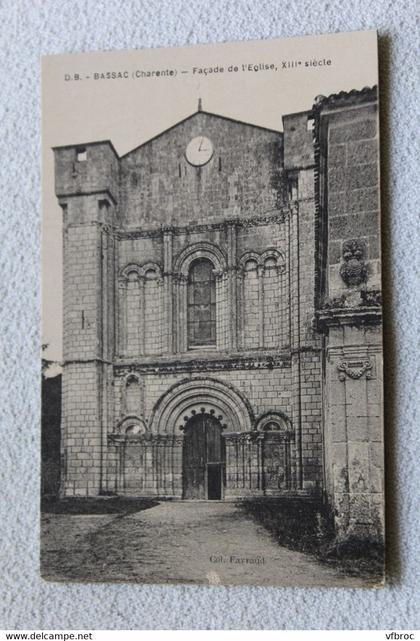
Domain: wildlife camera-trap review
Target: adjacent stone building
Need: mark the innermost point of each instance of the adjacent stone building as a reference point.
(222, 319)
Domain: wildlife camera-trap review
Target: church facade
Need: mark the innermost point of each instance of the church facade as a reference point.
(222, 317)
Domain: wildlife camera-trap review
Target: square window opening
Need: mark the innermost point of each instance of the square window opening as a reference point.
(81, 154)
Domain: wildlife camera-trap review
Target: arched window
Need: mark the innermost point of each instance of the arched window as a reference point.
(153, 316)
(133, 395)
(250, 309)
(132, 312)
(201, 304)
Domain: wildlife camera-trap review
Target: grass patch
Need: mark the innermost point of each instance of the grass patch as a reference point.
(307, 525)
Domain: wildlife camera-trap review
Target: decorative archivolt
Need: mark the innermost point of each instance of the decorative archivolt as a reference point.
(249, 261)
(144, 271)
(274, 422)
(269, 258)
(199, 250)
(131, 425)
(189, 397)
(205, 409)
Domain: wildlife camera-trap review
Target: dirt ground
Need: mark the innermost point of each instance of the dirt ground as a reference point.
(208, 543)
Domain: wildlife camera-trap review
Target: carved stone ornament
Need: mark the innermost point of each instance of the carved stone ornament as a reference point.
(262, 361)
(372, 298)
(354, 369)
(146, 440)
(353, 271)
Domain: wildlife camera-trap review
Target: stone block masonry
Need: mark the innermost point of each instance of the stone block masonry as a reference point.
(82, 442)
(350, 313)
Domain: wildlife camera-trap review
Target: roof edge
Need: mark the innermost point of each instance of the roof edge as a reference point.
(88, 144)
(207, 113)
(343, 98)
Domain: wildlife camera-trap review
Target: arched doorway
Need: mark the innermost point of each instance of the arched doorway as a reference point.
(203, 458)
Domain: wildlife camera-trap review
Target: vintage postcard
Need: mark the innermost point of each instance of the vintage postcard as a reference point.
(212, 322)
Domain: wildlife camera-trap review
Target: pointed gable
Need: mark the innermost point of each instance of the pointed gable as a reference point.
(241, 177)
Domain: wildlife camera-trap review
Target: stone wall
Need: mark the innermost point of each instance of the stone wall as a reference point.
(256, 464)
(354, 430)
(145, 465)
(305, 343)
(88, 312)
(251, 307)
(87, 169)
(261, 258)
(349, 311)
(81, 430)
(266, 389)
(242, 178)
(153, 314)
(353, 199)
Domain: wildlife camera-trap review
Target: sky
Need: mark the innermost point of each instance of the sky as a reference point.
(130, 110)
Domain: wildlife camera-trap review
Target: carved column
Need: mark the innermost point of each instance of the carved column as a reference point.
(182, 313)
(260, 442)
(222, 310)
(177, 441)
(295, 338)
(231, 464)
(142, 315)
(104, 287)
(232, 287)
(282, 307)
(260, 273)
(167, 288)
(240, 302)
(122, 317)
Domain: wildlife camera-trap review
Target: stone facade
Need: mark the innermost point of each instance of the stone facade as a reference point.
(348, 298)
(280, 394)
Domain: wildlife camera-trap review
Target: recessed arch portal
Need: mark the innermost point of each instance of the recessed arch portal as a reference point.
(188, 398)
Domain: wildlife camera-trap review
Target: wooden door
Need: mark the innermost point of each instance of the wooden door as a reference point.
(202, 458)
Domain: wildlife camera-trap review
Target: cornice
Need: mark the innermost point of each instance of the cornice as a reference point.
(279, 216)
(145, 439)
(204, 364)
(351, 316)
(62, 196)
